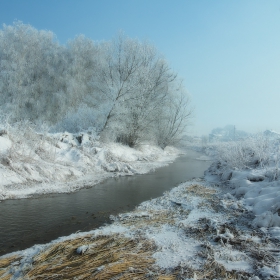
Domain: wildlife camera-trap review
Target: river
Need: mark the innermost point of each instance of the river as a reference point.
(26, 222)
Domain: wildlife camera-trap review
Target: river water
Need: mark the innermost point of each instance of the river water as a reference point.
(26, 222)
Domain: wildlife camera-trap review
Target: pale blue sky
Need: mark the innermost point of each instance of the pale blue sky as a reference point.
(227, 52)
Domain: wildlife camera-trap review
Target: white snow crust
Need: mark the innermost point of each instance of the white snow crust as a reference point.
(36, 164)
(255, 183)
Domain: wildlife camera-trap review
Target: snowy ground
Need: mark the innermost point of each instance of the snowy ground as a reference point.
(204, 230)
(225, 226)
(33, 164)
(199, 231)
(250, 169)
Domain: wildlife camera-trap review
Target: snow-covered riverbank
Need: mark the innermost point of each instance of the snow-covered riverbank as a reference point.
(225, 226)
(33, 164)
(197, 230)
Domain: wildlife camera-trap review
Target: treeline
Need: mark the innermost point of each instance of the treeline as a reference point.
(124, 88)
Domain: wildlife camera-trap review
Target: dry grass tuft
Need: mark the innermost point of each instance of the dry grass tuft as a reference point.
(199, 190)
(104, 257)
(156, 219)
(166, 278)
(5, 264)
(7, 276)
(210, 201)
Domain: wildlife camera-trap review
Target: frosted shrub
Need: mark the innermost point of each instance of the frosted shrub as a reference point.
(248, 153)
(82, 119)
(27, 143)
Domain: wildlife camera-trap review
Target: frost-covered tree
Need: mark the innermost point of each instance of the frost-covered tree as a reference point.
(134, 81)
(122, 87)
(174, 117)
(32, 67)
(83, 67)
(118, 78)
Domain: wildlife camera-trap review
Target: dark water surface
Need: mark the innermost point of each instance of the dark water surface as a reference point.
(26, 222)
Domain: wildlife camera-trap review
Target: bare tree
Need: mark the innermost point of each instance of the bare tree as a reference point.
(134, 81)
(174, 119)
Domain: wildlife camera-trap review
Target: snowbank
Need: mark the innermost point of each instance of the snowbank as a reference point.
(250, 168)
(32, 163)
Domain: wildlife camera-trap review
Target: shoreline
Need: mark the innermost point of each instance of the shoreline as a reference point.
(91, 165)
(196, 231)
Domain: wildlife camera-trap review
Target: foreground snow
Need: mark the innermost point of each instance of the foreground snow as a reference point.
(199, 231)
(33, 164)
(250, 169)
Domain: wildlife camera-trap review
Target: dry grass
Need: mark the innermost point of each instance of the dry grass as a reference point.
(5, 264)
(214, 270)
(106, 257)
(156, 219)
(210, 201)
(166, 278)
(7, 261)
(198, 190)
(7, 276)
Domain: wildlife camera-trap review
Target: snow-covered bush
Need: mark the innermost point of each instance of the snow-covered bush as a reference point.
(84, 118)
(257, 152)
(250, 168)
(28, 142)
(248, 153)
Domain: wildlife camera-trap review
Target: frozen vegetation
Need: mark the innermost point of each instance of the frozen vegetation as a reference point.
(250, 168)
(74, 115)
(225, 226)
(123, 88)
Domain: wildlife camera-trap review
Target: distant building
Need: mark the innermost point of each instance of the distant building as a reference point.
(227, 133)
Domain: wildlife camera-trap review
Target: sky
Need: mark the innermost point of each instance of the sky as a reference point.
(227, 52)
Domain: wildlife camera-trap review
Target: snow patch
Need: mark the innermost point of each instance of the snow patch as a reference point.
(66, 162)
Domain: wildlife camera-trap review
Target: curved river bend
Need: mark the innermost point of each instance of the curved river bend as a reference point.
(26, 222)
